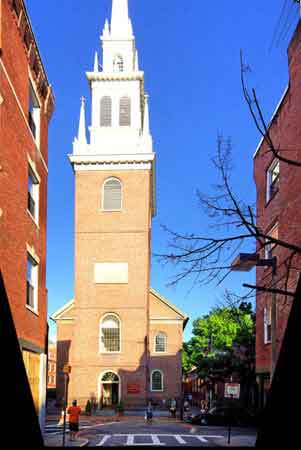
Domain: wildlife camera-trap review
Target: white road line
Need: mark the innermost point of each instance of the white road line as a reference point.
(130, 439)
(179, 439)
(104, 439)
(202, 439)
(156, 440)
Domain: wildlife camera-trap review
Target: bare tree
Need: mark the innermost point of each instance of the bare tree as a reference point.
(208, 258)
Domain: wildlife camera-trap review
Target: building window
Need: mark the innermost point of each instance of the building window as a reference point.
(267, 324)
(33, 194)
(118, 64)
(112, 195)
(160, 342)
(32, 283)
(272, 179)
(157, 381)
(269, 247)
(34, 113)
(125, 112)
(106, 112)
(110, 334)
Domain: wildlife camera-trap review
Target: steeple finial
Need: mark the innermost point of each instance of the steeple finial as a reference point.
(120, 23)
(96, 65)
(146, 130)
(82, 123)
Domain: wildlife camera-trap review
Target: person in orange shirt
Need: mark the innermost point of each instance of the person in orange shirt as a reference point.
(74, 412)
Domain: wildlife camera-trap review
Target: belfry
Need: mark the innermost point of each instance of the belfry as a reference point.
(121, 338)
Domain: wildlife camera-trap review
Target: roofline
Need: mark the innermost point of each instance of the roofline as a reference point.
(273, 116)
(63, 309)
(177, 310)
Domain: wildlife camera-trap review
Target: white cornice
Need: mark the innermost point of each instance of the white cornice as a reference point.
(112, 159)
(115, 76)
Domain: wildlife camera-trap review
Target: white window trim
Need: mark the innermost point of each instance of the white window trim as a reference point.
(101, 347)
(162, 378)
(165, 346)
(268, 177)
(270, 244)
(265, 322)
(33, 169)
(121, 199)
(37, 114)
(32, 255)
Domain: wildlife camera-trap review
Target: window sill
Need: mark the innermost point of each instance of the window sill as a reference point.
(110, 210)
(33, 219)
(153, 390)
(32, 310)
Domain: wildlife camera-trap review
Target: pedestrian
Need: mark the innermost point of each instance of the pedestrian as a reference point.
(173, 407)
(74, 412)
(149, 413)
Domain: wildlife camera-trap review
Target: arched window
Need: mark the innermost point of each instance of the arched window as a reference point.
(157, 381)
(160, 342)
(125, 112)
(106, 112)
(112, 195)
(118, 64)
(110, 334)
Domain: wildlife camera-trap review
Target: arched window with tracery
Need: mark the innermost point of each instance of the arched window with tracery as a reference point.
(106, 112)
(157, 381)
(110, 334)
(160, 342)
(125, 112)
(112, 195)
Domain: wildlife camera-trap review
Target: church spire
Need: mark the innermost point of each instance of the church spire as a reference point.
(82, 138)
(120, 22)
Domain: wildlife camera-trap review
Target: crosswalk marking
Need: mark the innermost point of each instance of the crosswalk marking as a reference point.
(103, 440)
(130, 438)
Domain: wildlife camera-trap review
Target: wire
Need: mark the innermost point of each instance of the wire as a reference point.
(286, 26)
(285, 4)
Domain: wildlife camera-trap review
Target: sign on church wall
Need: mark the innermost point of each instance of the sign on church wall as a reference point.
(133, 388)
(109, 273)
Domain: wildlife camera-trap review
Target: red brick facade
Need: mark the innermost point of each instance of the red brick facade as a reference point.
(282, 208)
(19, 232)
(51, 366)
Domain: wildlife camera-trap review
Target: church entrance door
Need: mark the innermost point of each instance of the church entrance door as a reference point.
(110, 389)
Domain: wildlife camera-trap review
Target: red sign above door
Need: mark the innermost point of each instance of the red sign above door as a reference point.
(133, 388)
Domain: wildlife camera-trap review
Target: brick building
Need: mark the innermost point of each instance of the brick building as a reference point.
(122, 339)
(279, 215)
(26, 106)
(51, 366)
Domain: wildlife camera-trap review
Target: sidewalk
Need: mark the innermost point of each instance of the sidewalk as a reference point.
(57, 441)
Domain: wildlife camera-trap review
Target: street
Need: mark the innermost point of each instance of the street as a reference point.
(174, 434)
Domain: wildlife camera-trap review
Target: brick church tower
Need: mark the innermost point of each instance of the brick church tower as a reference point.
(121, 338)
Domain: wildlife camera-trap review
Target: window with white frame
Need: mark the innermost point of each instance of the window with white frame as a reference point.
(33, 194)
(125, 112)
(112, 195)
(32, 283)
(106, 112)
(269, 247)
(157, 381)
(34, 113)
(110, 334)
(267, 324)
(160, 342)
(272, 179)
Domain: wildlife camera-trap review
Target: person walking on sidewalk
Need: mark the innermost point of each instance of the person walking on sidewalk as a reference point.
(74, 412)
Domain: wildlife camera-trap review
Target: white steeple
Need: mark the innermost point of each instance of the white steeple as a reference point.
(121, 26)
(82, 139)
(96, 65)
(146, 130)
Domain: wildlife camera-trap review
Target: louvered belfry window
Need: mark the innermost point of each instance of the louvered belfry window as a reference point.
(106, 112)
(112, 195)
(125, 112)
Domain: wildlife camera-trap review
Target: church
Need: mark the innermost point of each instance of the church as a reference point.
(122, 339)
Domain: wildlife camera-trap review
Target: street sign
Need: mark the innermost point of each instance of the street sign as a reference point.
(232, 390)
(67, 369)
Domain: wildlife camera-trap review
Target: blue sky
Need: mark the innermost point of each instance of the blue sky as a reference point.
(189, 51)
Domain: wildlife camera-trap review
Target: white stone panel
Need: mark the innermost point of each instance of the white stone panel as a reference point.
(111, 273)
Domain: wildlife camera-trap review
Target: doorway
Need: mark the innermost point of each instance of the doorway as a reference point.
(109, 389)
